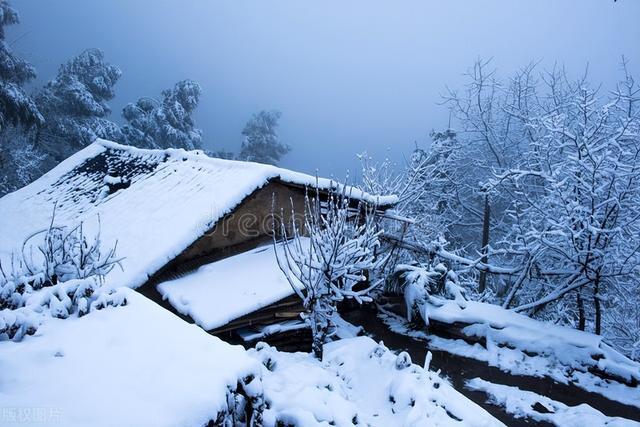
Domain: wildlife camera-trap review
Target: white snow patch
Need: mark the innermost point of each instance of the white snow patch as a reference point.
(132, 365)
(516, 362)
(523, 346)
(359, 380)
(520, 403)
(254, 334)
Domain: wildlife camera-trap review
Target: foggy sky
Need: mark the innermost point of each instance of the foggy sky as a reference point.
(347, 75)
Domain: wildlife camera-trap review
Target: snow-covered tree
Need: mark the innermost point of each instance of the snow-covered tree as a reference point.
(446, 200)
(16, 107)
(165, 123)
(75, 107)
(19, 115)
(430, 188)
(548, 167)
(261, 141)
(329, 258)
(20, 160)
(492, 115)
(584, 225)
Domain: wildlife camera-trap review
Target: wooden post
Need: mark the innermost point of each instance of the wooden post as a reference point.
(482, 283)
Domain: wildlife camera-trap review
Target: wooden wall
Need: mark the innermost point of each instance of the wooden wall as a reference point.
(249, 225)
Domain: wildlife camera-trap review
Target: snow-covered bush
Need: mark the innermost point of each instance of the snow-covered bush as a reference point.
(333, 263)
(359, 383)
(59, 276)
(74, 297)
(425, 286)
(69, 254)
(245, 404)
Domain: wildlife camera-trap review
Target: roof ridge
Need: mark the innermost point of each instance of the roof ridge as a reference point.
(274, 172)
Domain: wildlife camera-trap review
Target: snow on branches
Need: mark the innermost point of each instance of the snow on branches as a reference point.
(578, 217)
(537, 194)
(425, 286)
(59, 272)
(333, 261)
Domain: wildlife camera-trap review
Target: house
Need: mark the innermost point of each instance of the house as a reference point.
(194, 232)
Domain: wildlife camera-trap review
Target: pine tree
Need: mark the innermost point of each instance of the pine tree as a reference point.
(167, 123)
(75, 105)
(261, 142)
(16, 107)
(18, 113)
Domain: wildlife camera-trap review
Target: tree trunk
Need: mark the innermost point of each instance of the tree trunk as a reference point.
(596, 303)
(316, 332)
(581, 319)
(482, 283)
(318, 338)
(320, 325)
(316, 346)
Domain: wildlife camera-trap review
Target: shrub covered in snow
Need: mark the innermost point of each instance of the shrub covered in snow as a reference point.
(245, 404)
(359, 382)
(60, 275)
(425, 286)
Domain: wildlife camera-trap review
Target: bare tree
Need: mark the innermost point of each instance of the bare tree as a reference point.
(584, 225)
(329, 259)
(555, 162)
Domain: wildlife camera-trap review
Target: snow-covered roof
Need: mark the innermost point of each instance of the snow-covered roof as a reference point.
(218, 293)
(154, 203)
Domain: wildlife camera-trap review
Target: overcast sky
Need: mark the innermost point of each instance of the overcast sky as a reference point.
(347, 75)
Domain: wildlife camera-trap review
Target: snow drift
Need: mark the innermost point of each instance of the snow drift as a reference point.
(131, 365)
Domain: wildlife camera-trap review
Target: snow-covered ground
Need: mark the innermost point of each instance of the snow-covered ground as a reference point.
(135, 365)
(140, 365)
(523, 346)
(562, 345)
(220, 292)
(522, 403)
(360, 382)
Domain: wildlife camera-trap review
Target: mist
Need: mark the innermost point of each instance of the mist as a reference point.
(493, 228)
(347, 76)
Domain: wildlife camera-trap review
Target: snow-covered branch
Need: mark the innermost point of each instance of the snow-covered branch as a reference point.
(330, 258)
